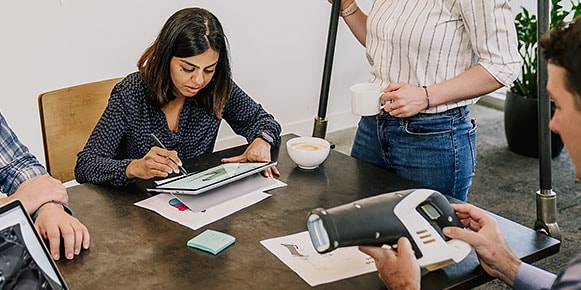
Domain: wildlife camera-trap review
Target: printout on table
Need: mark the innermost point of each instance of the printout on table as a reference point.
(213, 205)
(297, 252)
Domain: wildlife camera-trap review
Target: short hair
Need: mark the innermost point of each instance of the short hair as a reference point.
(561, 46)
(188, 32)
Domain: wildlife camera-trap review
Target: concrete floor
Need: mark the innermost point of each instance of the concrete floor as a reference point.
(506, 183)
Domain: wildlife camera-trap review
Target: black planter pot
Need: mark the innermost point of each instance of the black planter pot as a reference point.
(521, 127)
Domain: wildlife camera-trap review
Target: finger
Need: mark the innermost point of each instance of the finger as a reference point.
(266, 172)
(37, 228)
(78, 233)
(165, 165)
(54, 241)
(275, 171)
(404, 247)
(377, 253)
(477, 218)
(69, 239)
(389, 97)
(86, 236)
(466, 209)
(235, 159)
(176, 162)
(393, 86)
(149, 169)
(153, 169)
(469, 237)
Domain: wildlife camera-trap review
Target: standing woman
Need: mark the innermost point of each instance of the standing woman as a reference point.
(182, 91)
(433, 58)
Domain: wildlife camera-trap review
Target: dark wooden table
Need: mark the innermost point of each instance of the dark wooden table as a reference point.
(134, 248)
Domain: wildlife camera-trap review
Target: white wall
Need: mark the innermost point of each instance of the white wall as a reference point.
(277, 52)
(530, 5)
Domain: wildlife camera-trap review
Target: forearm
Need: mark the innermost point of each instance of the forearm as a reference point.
(508, 267)
(357, 24)
(475, 82)
(5, 199)
(20, 169)
(252, 120)
(100, 170)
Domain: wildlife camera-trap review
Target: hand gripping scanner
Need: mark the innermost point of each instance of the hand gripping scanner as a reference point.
(418, 214)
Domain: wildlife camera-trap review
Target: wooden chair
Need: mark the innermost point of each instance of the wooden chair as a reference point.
(67, 118)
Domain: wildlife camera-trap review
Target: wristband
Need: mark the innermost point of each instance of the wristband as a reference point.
(427, 97)
(352, 8)
(54, 201)
(65, 207)
(264, 136)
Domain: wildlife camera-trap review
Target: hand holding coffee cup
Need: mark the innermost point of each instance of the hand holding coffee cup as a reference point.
(365, 99)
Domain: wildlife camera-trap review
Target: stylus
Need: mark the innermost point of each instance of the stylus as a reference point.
(182, 169)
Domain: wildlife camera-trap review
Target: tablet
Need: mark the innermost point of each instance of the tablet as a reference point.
(198, 182)
(24, 258)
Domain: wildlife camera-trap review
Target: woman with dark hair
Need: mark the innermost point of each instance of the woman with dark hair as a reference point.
(182, 91)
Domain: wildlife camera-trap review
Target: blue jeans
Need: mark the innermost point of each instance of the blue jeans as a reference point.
(435, 150)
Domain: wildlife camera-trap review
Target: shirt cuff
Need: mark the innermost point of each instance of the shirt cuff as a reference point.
(531, 277)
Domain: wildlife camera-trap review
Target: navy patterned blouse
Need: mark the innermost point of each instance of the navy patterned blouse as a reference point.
(123, 132)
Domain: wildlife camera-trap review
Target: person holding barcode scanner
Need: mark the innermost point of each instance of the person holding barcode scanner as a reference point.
(400, 270)
(172, 107)
(432, 59)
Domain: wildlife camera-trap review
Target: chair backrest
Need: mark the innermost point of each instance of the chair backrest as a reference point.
(67, 118)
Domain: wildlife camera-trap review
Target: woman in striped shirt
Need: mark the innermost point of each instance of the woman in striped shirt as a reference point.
(432, 58)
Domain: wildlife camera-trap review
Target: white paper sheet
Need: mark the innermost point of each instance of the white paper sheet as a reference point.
(196, 219)
(297, 252)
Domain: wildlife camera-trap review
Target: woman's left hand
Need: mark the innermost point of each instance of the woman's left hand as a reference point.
(257, 151)
(403, 100)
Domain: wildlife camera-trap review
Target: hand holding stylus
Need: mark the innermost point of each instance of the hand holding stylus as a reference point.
(158, 142)
(158, 162)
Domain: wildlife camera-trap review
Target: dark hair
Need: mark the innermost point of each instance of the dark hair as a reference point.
(561, 46)
(188, 32)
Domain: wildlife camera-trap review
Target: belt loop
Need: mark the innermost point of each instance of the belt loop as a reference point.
(461, 111)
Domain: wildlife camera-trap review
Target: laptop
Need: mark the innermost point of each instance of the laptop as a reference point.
(199, 182)
(25, 262)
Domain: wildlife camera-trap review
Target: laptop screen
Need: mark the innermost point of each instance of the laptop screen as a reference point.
(25, 262)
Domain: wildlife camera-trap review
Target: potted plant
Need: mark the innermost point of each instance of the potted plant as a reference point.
(520, 109)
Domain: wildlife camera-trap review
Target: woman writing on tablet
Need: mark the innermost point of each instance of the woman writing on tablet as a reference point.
(182, 91)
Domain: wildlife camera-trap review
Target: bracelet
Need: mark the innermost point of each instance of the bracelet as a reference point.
(54, 201)
(65, 207)
(427, 97)
(352, 8)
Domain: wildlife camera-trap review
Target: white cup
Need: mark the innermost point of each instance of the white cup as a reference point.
(308, 152)
(365, 99)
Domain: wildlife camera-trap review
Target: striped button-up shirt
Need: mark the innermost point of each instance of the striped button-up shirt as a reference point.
(430, 41)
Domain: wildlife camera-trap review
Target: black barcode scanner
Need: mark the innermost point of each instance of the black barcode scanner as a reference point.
(418, 214)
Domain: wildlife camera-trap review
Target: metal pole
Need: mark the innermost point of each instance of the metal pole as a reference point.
(546, 198)
(320, 126)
